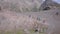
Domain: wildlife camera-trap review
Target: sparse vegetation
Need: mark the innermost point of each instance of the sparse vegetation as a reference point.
(13, 19)
(21, 5)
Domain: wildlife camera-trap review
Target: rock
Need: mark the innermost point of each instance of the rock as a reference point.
(49, 4)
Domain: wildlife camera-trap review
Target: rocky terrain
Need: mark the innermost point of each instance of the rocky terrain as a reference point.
(30, 22)
(49, 4)
(29, 17)
(15, 22)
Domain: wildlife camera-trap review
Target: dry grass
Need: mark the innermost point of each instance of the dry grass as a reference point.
(21, 5)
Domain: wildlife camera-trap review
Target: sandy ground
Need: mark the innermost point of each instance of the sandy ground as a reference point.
(12, 21)
(51, 17)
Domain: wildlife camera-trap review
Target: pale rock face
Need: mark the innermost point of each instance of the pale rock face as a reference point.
(54, 22)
